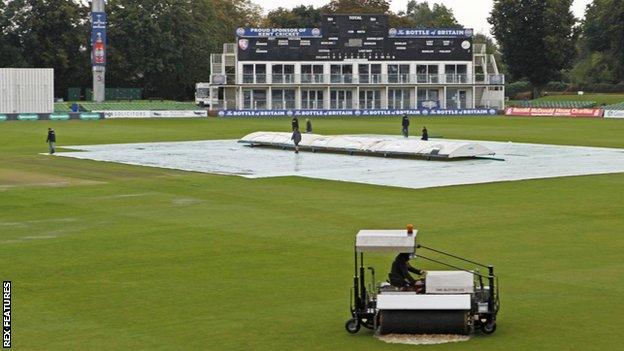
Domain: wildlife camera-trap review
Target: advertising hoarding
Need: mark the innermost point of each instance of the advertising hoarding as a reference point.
(98, 38)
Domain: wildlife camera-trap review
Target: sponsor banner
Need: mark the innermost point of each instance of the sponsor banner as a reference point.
(3, 118)
(89, 116)
(154, 114)
(278, 32)
(180, 114)
(354, 113)
(98, 38)
(125, 114)
(429, 104)
(59, 116)
(430, 33)
(607, 114)
(27, 117)
(553, 112)
(46, 116)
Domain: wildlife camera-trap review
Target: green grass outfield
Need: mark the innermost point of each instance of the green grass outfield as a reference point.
(116, 257)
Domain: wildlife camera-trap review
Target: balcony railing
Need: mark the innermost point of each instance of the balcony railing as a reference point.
(446, 79)
(283, 104)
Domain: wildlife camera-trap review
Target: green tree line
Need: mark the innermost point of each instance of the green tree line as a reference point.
(164, 46)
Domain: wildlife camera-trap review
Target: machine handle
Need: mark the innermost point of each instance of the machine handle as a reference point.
(451, 255)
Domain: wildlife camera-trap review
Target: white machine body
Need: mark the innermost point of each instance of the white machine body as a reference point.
(385, 241)
(412, 301)
(449, 282)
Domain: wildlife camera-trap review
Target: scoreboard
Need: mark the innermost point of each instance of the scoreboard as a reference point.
(349, 37)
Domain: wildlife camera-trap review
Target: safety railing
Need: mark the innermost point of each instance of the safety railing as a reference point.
(312, 79)
(283, 104)
(440, 79)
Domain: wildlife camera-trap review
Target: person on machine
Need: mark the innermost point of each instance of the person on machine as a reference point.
(400, 274)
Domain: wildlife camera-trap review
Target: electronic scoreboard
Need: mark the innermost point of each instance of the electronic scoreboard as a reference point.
(349, 37)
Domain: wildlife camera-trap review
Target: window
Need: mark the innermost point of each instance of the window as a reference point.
(370, 99)
(428, 98)
(456, 73)
(312, 99)
(456, 98)
(261, 73)
(369, 73)
(341, 99)
(311, 73)
(248, 73)
(283, 73)
(427, 74)
(283, 99)
(254, 99)
(254, 73)
(398, 98)
(398, 73)
(341, 73)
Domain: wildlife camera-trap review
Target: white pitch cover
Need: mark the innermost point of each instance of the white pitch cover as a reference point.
(423, 302)
(372, 145)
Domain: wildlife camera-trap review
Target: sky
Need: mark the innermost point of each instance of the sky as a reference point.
(469, 13)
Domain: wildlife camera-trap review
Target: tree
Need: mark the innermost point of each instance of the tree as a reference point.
(601, 44)
(357, 6)
(536, 38)
(297, 17)
(47, 34)
(9, 35)
(421, 15)
(164, 46)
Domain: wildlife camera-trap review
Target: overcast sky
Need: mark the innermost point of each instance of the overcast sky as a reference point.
(470, 13)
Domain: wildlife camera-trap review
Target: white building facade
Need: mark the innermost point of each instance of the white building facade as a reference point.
(353, 62)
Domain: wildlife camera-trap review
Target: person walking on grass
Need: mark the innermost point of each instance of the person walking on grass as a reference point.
(294, 123)
(51, 140)
(308, 126)
(296, 138)
(405, 123)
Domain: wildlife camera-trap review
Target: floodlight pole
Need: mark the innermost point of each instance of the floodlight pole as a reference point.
(98, 50)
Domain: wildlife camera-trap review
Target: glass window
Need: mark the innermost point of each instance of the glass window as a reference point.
(277, 99)
(398, 98)
(336, 71)
(248, 73)
(289, 73)
(393, 73)
(289, 99)
(364, 73)
(260, 73)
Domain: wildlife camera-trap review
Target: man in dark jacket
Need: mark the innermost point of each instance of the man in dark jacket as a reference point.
(400, 274)
(308, 126)
(425, 134)
(405, 123)
(296, 138)
(295, 124)
(51, 140)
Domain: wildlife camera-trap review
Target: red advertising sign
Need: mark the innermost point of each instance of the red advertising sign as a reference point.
(553, 112)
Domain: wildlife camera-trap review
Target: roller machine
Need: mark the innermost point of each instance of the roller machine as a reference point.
(460, 300)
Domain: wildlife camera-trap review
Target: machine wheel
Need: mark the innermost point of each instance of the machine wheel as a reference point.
(352, 326)
(489, 328)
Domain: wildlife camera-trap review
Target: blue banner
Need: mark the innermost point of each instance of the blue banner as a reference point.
(430, 33)
(355, 113)
(98, 38)
(278, 32)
